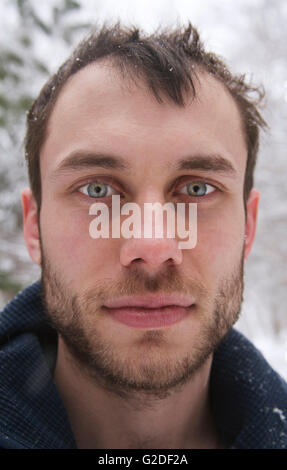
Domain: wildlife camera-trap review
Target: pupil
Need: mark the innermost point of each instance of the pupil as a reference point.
(97, 190)
(197, 189)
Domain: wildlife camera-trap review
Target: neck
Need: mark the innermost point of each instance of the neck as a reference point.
(102, 419)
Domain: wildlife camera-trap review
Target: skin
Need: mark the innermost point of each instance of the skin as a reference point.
(96, 112)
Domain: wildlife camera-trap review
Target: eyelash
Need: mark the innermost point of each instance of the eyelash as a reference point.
(191, 181)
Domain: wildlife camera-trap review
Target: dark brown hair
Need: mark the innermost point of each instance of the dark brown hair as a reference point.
(167, 61)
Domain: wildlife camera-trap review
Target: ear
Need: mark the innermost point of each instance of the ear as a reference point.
(251, 220)
(30, 225)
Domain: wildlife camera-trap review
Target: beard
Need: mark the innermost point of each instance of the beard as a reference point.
(149, 364)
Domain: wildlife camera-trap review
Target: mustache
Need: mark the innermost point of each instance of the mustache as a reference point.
(138, 282)
(133, 281)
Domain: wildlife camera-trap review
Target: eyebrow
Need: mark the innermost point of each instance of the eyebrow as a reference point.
(82, 159)
(215, 163)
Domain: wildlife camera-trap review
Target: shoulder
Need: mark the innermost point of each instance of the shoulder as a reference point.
(249, 396)
(23, 313)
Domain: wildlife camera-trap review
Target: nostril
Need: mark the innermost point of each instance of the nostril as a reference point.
(150, 252)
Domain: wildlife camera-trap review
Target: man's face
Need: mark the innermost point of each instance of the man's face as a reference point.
(98, 114)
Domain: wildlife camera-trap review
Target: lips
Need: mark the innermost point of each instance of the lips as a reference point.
(149, 311)
(151, 301)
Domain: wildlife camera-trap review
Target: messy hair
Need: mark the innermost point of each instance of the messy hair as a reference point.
(167, 61)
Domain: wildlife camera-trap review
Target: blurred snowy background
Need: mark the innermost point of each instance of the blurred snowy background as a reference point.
(35, 37)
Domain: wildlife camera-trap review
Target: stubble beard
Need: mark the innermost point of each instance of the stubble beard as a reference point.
(155, 373)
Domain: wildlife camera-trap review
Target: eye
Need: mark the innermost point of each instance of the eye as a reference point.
(97, 190)
(197, 189)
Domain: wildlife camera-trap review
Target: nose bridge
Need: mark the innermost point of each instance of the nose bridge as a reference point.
(154, 209)
(155, 243)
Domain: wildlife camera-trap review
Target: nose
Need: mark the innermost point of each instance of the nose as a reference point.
(147, 249)
(150, 253)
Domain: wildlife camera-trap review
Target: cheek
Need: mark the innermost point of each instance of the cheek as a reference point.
(68, 245)
(220, 240)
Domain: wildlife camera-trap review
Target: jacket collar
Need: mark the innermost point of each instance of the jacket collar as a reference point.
(32, 414)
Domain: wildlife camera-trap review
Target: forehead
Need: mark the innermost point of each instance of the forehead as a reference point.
(100, 110)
